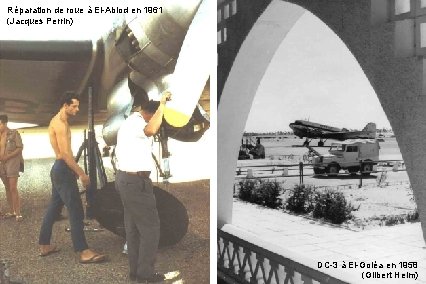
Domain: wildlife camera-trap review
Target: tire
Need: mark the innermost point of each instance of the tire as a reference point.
(318, 171)
(333, 170)
(321, 144)
(367, 167)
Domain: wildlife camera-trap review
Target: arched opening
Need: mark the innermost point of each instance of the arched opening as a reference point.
(397, 78)
(291, 66)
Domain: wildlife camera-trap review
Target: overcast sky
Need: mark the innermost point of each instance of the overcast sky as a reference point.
(314, 76)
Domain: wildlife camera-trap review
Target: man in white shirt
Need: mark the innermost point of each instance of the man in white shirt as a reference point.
(134, 163)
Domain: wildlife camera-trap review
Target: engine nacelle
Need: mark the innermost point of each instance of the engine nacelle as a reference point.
(151, 47)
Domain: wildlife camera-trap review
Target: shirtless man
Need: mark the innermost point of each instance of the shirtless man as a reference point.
(10, 159)
(64, 175)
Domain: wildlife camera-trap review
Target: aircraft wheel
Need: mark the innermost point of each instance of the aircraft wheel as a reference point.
(321, 144)
(333, 169)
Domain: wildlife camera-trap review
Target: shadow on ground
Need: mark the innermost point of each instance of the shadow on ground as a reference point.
(18, 241)
(345, 177)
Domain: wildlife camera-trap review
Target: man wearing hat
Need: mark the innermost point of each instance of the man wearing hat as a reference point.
(258, 151)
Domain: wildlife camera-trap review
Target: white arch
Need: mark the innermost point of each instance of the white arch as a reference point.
(240, 88)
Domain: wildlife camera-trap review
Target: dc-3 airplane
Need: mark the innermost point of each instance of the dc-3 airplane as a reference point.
(307, 129)
(148, 54)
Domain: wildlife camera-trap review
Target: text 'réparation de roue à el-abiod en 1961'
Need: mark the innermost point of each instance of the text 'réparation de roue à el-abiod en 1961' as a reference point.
(18, 15)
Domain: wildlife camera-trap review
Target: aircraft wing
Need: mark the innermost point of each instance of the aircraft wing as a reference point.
(346, 135)
(342, 135)
(34, 74)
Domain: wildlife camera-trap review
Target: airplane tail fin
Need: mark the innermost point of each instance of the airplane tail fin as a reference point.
(370, 128)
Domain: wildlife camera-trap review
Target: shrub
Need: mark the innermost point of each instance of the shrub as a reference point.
(394, 220)
(267, 194)
(300, 201)
(247, 189)
(413, 217)
(322, 202)
(332, 205)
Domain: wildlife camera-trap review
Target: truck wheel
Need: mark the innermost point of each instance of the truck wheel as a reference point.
(333, 170)
(367, 169)
(318, 171)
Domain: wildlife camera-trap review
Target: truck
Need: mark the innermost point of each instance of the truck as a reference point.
(359, 155)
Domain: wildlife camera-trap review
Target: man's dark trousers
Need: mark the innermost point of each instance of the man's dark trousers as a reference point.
(64, 191)
(141, 222)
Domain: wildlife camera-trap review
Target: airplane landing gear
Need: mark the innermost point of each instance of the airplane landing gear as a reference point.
(320, 143)
(306, 143)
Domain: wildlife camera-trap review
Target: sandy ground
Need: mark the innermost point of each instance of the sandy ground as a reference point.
(375, 201)
(374, 206)
(18, 241)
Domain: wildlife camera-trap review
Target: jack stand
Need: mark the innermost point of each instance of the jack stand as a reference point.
(95, 166)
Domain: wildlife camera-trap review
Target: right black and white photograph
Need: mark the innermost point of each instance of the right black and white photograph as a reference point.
(321, 169)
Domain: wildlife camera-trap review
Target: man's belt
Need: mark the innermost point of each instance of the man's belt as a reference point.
(144, 174)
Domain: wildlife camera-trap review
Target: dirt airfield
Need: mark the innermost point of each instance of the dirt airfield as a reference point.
(380, 197)
(19, 241)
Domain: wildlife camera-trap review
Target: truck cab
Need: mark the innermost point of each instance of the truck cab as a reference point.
(348, 155)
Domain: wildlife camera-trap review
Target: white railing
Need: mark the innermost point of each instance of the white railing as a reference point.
(240, 261)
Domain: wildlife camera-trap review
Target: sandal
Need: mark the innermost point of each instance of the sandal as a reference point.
(9, 215)
(52, 250)
(96, 258)
(19, 218)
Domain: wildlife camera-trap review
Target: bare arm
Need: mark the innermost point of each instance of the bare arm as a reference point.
(12, 154)
(155, 122)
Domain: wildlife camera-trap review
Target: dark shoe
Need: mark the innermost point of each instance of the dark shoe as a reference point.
(155, 278)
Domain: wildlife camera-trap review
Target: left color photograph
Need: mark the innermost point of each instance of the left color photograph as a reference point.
(105, 139)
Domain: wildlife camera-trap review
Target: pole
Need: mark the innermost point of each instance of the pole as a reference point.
(92, 159)
(85, 151)
(360, 176)
(301, 173)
